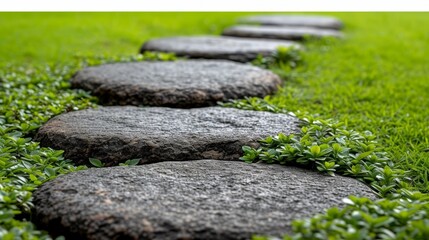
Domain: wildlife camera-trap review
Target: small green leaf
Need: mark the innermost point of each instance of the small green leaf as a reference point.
(363, 155)
(246, 149)
(50, 172)
(95, 162)
(132, 162)
(33, 178)
(315, 150)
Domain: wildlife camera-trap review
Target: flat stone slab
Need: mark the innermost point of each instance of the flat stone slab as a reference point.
(294, 20)
(151, 134)
(205, 199)
(214, 47)
(279, 32)
(192, 83)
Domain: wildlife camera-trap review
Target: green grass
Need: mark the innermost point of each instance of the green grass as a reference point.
(57, 37)
(376, 79)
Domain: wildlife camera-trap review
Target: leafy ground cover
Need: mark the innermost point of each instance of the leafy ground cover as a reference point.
(374, 80)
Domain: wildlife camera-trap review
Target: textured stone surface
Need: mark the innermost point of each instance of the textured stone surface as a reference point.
(190, 83)
(295, 20)
(279, 32)
(204, 199)
(214, 47)
(116, 134)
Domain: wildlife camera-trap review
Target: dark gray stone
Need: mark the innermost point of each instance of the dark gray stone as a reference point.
(214, 47)
(295, 20)
(279, 32)
(185, 84)
(203, 199)
(116, 134)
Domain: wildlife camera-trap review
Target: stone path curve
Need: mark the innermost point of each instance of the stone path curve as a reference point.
(177, 198)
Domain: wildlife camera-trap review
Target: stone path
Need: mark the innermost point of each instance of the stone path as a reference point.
(116, 134)
(176, 198)
(215, 47)
(294, 20)
(205, 199)
(279, 32)
(175, 84)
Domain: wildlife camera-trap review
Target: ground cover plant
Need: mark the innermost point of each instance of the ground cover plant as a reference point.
(327, 146)
(373, 81)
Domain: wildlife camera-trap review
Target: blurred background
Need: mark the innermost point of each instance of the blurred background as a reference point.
(33, 38)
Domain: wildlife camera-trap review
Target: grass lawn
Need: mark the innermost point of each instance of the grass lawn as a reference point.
(376, 79)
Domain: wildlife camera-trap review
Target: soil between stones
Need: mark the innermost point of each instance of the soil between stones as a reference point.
(294, 20)
(205, 199)
(192, 83)
(151, 134)
(216, 47)
(279, 32)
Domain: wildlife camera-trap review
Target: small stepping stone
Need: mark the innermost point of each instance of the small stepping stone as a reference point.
(186, 84)
(279, 32)
(151, 134)
(205, 199)
(294, 20)
(214, 47)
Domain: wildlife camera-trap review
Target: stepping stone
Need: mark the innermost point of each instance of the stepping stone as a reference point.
(175, 84)
(214, 47)
(117, 134)
(279, 32)
(294, 20)
(205, 199)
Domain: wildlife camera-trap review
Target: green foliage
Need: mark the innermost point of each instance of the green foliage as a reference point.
(366, 81)
(40, 38)
(29, 98)
(365, 219)
(284, 58)
(96, 162)
(104, 59)
(394, 165)
(131, 162)
(328, 147)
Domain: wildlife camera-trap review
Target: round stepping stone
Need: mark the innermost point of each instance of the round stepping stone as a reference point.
(203, 199)
(175, 84)
(276, 32)
(214, 47)
(117, 134)
(295, 20)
